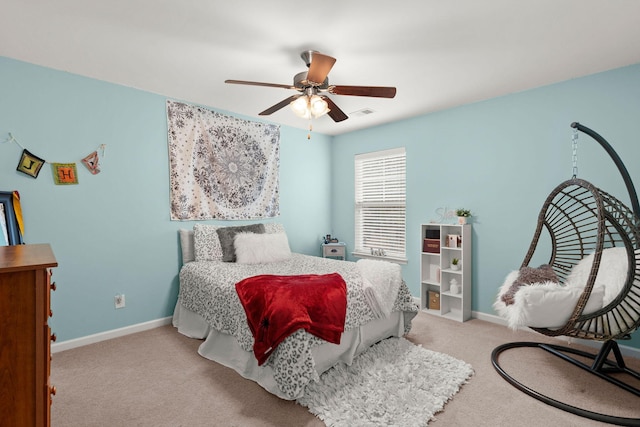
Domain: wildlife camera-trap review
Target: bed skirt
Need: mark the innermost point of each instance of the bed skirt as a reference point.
(224, 349)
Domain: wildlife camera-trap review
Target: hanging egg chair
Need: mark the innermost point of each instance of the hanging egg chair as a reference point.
(592, 289)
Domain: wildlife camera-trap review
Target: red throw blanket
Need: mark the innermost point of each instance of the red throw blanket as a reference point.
(277, 306)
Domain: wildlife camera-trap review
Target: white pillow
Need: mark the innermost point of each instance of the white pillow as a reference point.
(612, 272)
(254, 248)
(544, 305)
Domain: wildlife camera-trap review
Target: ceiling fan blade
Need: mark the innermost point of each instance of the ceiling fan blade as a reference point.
(319, 68)
(279, 105)
(374, 91)
(244, 82)
(334, 111)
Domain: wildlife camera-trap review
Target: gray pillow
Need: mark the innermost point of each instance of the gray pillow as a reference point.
(227, 235)
(187, 245)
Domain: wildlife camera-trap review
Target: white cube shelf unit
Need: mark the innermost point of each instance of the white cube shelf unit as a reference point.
(448, 241)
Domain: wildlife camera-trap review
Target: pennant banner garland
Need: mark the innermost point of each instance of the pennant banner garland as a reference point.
(63, 173)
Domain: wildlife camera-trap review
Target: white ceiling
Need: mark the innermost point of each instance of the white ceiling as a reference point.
(438, 53)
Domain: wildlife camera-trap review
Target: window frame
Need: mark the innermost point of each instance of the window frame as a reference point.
(388, 205)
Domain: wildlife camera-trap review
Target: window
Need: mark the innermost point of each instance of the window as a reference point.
(381, 204)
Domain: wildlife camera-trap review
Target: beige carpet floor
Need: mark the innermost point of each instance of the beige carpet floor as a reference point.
(156, 378)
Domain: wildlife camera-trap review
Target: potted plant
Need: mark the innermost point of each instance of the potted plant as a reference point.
(454, 264)
(462, 215)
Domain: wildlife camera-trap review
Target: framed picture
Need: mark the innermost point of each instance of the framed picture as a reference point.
(10, 232)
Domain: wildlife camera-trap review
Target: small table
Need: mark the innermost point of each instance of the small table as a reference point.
(334, 250)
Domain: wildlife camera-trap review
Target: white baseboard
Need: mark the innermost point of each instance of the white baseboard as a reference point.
(107, 335)
(91, 339)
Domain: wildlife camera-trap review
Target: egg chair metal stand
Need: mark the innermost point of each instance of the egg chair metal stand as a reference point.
(580, 219)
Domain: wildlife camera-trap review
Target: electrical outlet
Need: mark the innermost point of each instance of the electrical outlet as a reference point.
(119, 301)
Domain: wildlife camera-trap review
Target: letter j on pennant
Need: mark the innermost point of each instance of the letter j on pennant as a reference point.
(30, 164)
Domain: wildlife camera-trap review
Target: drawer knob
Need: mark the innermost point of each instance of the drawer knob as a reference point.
(53, 286)
(53, 390)
(334, 250)
(54, 337)
(50, 313)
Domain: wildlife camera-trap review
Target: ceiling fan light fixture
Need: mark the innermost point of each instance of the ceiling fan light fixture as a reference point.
(307, 106)
(318, 106)
(300, 107)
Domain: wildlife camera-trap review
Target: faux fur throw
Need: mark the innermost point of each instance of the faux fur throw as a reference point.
(528, 276)
(277, 306)
(381, 282)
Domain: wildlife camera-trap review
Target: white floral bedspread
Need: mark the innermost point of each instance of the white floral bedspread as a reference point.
(208, 289)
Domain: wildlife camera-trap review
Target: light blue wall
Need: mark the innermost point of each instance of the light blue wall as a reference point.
(111, 233)
(500, 158)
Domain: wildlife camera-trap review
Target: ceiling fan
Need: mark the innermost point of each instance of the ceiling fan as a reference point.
(313, 84)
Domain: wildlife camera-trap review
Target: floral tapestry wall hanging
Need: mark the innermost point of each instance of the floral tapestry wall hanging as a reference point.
(221, 167)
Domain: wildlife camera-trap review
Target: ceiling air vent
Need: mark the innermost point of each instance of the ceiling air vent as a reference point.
(363, 112)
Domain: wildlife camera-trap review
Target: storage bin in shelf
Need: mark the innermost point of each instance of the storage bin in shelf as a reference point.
(436, 274)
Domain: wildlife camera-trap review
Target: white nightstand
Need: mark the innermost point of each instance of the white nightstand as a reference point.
(334, 250)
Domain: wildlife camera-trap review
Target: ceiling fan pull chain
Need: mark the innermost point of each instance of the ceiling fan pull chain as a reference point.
(310, 129)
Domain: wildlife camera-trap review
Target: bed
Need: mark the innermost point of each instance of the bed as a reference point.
(210, 309)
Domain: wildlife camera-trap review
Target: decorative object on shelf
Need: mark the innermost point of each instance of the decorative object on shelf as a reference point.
(454, 287)
(378, 252)
(445, 215)
(431, 246)
(434, 300)
(454, 240)
(431, 242)
(462, 215)
(329, 239)
(454, 264)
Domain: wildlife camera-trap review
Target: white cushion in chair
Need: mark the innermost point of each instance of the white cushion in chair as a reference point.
(612, 272)
(543, 305)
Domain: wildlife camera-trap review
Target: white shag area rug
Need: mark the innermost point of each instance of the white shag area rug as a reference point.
(394, 383)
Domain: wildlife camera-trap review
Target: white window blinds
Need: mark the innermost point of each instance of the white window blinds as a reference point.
(380, 179)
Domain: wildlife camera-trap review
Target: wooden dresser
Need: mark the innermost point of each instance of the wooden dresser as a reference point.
(25, 336)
